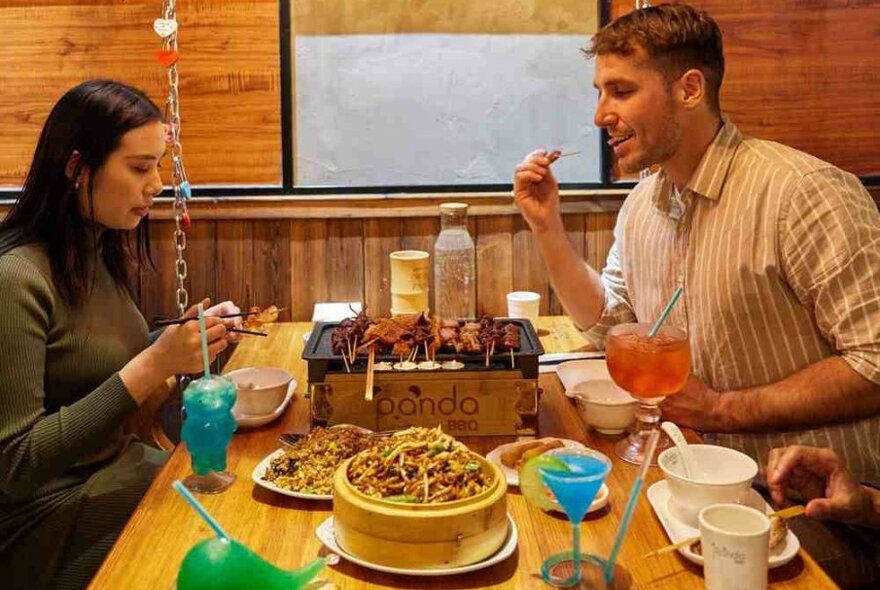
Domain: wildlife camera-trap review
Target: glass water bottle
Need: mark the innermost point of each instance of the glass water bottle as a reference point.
(454, 265)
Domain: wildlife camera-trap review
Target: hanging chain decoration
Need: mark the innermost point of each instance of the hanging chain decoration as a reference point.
(166, 27)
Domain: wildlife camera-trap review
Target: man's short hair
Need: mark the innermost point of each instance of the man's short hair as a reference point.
(677, 37)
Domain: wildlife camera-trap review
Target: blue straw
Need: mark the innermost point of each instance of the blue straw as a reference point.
(656, 327)
(181, 489)
(648, 456)
(204, 332)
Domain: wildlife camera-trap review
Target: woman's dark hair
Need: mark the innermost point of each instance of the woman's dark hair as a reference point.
(90, 119)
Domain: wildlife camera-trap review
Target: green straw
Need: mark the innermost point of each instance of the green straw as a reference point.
(204, 331)
(656, 327)
(181, 489)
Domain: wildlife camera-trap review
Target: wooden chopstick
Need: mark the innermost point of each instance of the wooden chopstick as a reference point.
(249, 332)
(789, 512)
(553, 157)
(230, 315)
(368, 387)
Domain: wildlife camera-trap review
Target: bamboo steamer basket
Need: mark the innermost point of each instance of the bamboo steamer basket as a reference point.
(420, 536)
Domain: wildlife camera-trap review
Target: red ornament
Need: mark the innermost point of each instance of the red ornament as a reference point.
(167, 58)
(187, 222)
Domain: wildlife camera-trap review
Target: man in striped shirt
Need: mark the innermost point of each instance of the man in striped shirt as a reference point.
(777, 251)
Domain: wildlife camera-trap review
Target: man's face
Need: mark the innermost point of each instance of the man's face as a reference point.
(637, 107)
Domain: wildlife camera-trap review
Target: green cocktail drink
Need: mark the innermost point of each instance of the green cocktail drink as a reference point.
(226, 564)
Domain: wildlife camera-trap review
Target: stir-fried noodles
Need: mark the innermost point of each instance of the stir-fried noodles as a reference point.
(309, 466)
(419, 465)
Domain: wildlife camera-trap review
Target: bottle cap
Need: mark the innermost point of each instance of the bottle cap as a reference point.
(454, 207)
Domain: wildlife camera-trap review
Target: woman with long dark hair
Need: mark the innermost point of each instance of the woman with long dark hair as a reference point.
(75, 354)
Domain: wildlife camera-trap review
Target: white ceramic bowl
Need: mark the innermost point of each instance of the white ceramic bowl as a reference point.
(260, 390)
(604, 406)
(726, 478)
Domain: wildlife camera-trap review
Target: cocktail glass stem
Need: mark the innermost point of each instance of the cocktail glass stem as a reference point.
(633, 447)
(576, 552)
(648, 416)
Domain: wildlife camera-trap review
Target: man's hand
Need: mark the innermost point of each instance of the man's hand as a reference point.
(695, 406)
(818, 475)
(536, 193)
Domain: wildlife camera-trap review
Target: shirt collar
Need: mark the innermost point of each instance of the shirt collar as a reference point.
(711, 173)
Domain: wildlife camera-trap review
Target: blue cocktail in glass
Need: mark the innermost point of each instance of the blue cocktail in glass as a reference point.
(574, 480)
(208, 425)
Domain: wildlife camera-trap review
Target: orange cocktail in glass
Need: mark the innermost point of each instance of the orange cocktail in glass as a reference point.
(650, 369)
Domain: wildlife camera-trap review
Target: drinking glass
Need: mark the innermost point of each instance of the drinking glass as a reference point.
(650, 369)
(208, 425)
(575, 489)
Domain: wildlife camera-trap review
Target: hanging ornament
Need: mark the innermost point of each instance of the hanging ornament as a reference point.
(167, 57)
(165, 27)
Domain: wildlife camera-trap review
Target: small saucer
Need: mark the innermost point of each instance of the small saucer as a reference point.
(660, 499)
(252, 420)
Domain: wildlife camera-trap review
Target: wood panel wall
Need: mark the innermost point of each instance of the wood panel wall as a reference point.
(229, 77)
(295, 263)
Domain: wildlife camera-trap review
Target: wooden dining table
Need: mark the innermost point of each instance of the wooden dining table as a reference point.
(282, 529)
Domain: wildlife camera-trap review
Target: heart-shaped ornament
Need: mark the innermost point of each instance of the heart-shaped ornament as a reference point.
(165, 27)
(167, 58)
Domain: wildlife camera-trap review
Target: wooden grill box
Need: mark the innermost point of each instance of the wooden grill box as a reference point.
(477, 400)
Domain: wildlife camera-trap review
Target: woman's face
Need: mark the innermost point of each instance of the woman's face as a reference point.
(125, 185)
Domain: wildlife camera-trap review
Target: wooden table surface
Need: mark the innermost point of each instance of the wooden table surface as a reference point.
(281, 529)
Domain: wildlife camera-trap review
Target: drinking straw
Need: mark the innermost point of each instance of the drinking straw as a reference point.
(181, 489)
(656, 327)
(204, 332)
(631, 504)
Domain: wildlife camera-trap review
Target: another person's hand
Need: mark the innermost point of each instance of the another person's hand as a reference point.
(536, 192)
(178, 350)
(819, 476)
(227, 308)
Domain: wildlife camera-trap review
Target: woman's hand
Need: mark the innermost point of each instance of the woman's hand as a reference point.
(178, 350)
(227, 308)
(536, 193)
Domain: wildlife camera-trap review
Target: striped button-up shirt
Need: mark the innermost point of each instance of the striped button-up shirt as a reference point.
(779, 256)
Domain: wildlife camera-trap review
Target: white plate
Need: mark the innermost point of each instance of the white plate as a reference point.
(583, 373)
(512, 475)
(251, 420)
(659, 497)
(260, 469)
(326, 535)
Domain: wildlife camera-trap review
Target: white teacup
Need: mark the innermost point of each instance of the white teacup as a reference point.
(736, 542)
(724, 477)
(524, 305)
